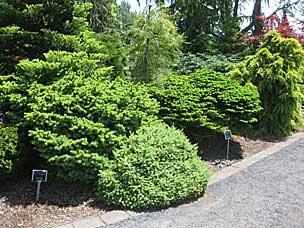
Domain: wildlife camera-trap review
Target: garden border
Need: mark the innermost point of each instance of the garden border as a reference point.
(116, 216)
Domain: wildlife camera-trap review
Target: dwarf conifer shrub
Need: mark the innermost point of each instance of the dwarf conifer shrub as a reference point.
(276, 69)
(79, 120)
(156, 167)
(8, 148)
(207, 99)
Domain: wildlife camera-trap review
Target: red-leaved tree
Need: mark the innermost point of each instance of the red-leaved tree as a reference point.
(274, 23)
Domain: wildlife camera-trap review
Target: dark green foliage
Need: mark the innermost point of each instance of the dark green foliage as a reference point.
(157, 167)
(116, 52)
(8, 148)
(79, 119)
(188, 63)
(30, 28)
(207, 99)
(34, 15)
(102, 15)
(208, 25)
(227, 33)
(276, 69)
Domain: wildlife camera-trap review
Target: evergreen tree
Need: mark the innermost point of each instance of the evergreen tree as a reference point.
(102, 15)
(276, 69)
(30, 28)
(154, 46)
(125, 17)
(208, 25)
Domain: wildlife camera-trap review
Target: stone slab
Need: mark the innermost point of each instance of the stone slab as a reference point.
(114, 216)
(89, 222)
(69, 225)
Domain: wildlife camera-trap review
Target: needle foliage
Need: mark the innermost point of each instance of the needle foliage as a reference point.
(277, 70)
(207, 99)
(157, 167)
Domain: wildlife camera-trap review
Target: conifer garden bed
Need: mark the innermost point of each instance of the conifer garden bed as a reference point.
(114, 117)
(63, 203)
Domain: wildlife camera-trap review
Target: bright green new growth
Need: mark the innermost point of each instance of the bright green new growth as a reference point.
(207, 99)
(80, 118)
(8, 148)
(33, 27)
(14, 97)
(157, 167)
(276, 69)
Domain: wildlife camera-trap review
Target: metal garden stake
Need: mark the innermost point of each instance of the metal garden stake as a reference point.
(228, 136)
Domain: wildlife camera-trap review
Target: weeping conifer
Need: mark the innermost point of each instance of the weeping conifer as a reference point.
(276, 69)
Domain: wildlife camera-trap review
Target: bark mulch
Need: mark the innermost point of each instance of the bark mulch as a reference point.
(58, 203)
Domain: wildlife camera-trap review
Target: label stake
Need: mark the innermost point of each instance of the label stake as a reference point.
(38, 190)
(228, 136)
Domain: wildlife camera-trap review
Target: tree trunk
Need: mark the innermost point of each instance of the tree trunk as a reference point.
(236, 8)
(146, 60)
(257, 23)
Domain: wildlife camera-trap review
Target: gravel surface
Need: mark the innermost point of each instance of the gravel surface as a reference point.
(270, 193)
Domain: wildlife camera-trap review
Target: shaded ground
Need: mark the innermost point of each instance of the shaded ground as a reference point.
(62, 203)
(214, 150)
(58, 204)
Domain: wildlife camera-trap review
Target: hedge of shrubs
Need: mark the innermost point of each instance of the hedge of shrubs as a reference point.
(94, 128)
(79, 119)
(74, 109)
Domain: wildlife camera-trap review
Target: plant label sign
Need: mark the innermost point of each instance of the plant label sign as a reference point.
(39, 175)
(227, 134)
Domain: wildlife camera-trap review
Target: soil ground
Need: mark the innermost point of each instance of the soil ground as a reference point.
(62, 203)
(214, 150)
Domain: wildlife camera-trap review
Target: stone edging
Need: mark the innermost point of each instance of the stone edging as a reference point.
(107, 218)
(241, 165)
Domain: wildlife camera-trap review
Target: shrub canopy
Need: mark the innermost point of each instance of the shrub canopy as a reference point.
(156, 167)
(79, 120)
(207, 99)
(276, 69)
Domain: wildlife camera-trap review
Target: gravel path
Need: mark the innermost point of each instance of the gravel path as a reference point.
(270, 193)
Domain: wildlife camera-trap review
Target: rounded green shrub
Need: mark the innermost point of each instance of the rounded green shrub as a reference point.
(207, 99)
(156, 167)
(8, 148)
